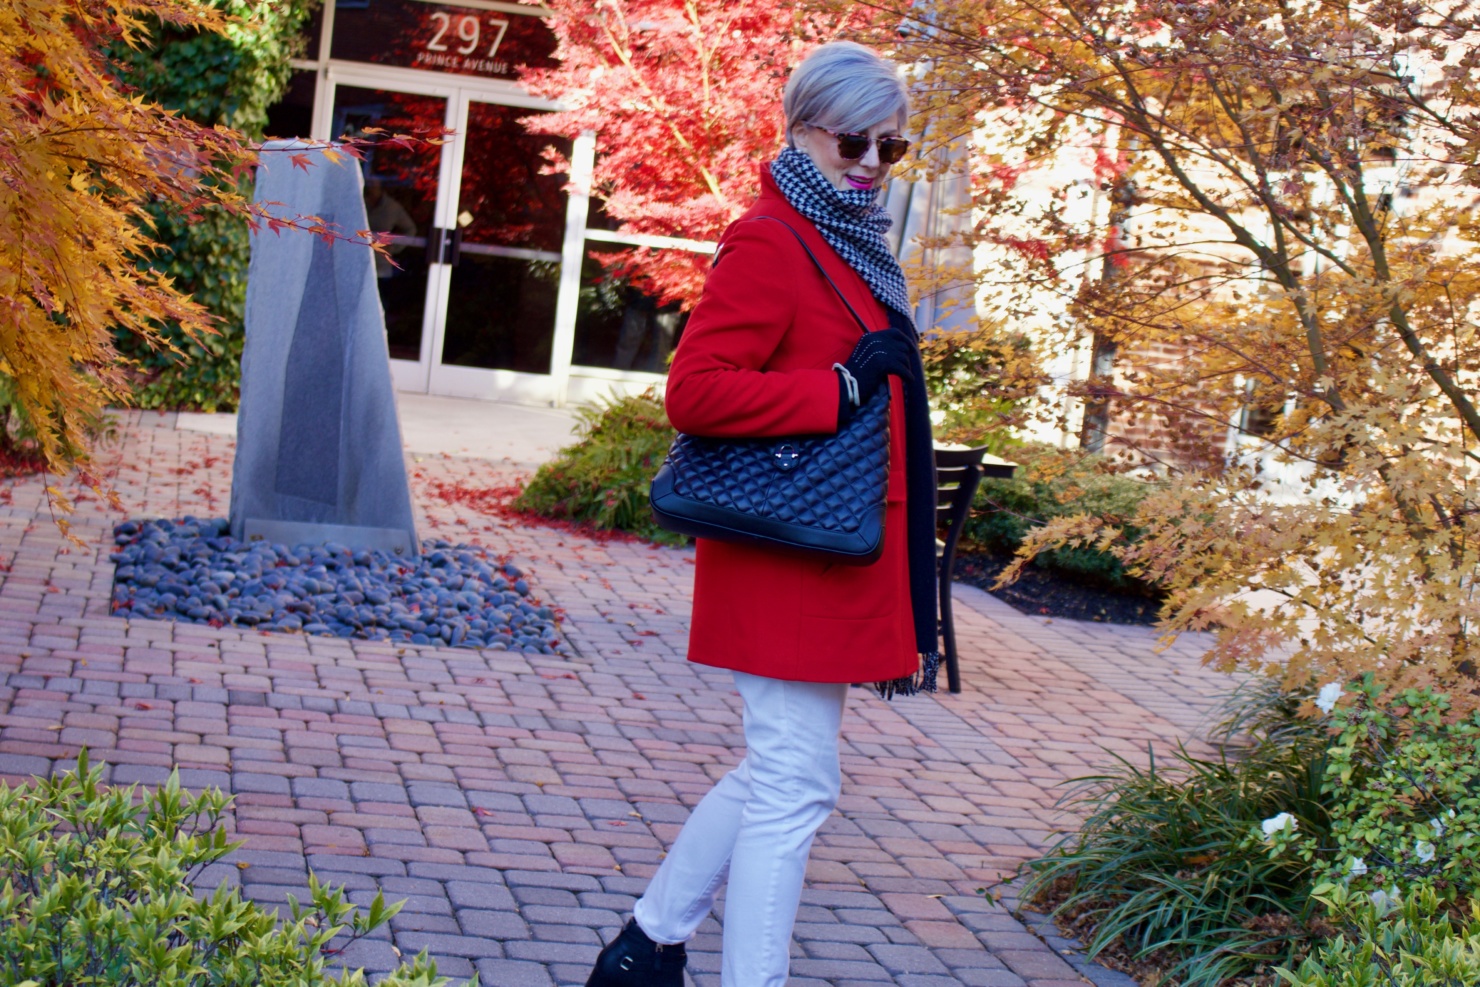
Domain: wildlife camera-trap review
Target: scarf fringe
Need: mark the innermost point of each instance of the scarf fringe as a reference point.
(912, 685)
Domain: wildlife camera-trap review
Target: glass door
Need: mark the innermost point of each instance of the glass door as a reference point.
(475, 233)
(503, 258)
(403, 182)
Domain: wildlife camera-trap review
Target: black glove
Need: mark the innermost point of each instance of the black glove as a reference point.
(877, 355)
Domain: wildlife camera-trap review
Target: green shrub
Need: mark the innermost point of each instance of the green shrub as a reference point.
(1404, 792)
(208, 258)
(229, 79)
(1164, 867)
(1412, 942)
(1052, 483)
(1225, 867)
(95, 889)
(603, 478)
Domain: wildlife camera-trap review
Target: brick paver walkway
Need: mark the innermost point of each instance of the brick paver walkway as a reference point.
(519, 802)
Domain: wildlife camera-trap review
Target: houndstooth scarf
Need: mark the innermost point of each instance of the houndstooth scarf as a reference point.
(850, 220)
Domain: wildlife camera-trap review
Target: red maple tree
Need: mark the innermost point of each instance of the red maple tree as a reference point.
(685, 99)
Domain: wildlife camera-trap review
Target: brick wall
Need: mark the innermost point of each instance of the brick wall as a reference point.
(1148, 431)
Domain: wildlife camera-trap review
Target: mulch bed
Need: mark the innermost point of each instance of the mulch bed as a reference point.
(1044, 592)
(18, 462)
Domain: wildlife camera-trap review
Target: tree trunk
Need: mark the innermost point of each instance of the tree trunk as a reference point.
(1097, 406)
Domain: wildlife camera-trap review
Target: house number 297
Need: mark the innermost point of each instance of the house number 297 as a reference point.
(468, 31)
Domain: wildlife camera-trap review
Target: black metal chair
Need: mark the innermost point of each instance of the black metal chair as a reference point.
(958, 471)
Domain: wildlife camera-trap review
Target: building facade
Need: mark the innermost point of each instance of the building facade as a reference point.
(492, 289)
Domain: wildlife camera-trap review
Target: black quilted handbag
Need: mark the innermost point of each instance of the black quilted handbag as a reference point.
(822, 496)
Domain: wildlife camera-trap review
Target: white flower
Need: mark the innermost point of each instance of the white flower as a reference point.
(1437, 823)
(1358, 867)
(1385, 901)
(1327, 697)
(1424, 851)
(1276, 823)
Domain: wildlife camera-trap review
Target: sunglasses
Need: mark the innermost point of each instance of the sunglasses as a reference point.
(854, 146)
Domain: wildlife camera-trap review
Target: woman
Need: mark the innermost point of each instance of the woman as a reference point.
(772, 350)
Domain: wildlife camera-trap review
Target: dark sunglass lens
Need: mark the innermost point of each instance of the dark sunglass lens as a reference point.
(891, 149)
(852, 146)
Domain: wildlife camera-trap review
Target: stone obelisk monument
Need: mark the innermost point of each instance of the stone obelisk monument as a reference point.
(318, 452)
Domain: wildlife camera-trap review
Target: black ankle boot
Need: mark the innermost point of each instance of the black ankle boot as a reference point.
(634, 960)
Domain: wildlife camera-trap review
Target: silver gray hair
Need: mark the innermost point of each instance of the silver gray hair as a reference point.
(844, 87)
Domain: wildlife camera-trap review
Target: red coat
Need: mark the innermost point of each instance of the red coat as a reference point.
(755, 360)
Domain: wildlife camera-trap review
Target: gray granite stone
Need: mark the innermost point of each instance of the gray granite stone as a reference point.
(318, 455)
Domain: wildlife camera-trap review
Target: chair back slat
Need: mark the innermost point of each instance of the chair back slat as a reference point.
(956, 478)
(956, 473)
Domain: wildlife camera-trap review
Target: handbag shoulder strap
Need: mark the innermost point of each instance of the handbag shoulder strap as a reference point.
(823, 271)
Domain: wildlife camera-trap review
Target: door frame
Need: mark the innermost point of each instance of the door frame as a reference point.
(406, 375)
(452, 380)
(427, 374)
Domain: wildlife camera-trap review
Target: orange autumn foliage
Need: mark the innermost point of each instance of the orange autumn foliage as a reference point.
(1287, 268)
(79, 155)
(684, 97)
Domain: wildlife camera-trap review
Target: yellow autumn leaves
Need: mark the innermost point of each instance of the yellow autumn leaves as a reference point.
(1298, 242)
(78, 155)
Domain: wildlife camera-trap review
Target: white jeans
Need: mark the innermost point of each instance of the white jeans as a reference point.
(756, 825)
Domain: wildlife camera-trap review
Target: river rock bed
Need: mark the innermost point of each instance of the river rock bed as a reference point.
(452, 595)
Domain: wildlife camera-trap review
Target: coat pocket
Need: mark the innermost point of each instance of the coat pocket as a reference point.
(848, 591)
(831, 589)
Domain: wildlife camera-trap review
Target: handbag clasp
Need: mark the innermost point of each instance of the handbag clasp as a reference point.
(787, 457)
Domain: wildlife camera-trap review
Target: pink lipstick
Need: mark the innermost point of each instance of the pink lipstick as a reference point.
(859, 183)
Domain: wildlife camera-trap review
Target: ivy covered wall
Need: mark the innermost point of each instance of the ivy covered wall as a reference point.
(229, 79)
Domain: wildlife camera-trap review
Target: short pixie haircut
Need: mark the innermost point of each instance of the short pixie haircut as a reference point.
(844, 87)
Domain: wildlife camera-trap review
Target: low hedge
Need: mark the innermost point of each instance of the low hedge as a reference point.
(602, 479)
(1051, 483)
(1394, 941)
(96, 889)
(1337, 849)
